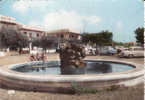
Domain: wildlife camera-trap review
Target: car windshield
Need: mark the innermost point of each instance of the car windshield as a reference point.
(136, 49)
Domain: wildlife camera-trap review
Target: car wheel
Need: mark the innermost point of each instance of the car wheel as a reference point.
(130, 56)
(121, 56)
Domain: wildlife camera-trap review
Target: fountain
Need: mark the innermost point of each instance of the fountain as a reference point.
(71, 58)
(59, 76)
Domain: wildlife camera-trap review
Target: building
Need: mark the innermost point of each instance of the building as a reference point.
(65, 34)
(31, 32)
(8, 22)
(34, 33)
(131, 43)
(11, 23)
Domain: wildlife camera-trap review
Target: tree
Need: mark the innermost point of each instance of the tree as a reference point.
(104, 38)
(86, 38)
(118, 43)
(11, 38)
(46, 42)
(139, 32)
(100, 39)
(36, 42)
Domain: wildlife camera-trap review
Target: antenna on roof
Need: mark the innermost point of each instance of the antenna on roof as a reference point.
(84, 26)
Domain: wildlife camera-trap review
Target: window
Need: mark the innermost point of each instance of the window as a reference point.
(37, 34)
(30, 35)
(71, 36)
(25, 33)
(62, 36)
(138, 49)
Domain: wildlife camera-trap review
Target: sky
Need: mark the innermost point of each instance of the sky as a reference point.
(121, 17)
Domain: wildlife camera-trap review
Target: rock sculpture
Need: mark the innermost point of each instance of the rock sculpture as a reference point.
(72, 55)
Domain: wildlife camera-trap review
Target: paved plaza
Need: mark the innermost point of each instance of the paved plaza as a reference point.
(13, 58)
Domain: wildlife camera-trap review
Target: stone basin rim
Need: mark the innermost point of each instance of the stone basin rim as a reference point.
(138, 71)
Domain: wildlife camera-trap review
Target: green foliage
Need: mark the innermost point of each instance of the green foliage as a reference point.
(101, 38)
(78, 89)
(12, 38)
(139, 32)
(46, 42)
(51, 42)
(118, 43)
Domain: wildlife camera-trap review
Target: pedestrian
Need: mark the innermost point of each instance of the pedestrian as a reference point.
(43, 57)
(32, 57)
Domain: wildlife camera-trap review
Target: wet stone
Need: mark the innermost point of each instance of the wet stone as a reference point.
(72, 55)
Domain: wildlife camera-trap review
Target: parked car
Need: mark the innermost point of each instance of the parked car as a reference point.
(119, 50)
(51, 51)
(103, 52)
(92, 51)
(133, 52)
(108, 51)
(112, 51)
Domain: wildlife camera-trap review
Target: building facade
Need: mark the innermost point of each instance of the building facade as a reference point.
(8, 22)
(65, 34)
(31, 32)
(34, 33)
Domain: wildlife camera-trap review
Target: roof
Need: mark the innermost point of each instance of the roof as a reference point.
(64, 31)
(28, 28)
(6, 19)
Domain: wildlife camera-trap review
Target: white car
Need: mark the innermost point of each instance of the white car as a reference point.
(51, 51)
(133, 52)
(90, 51)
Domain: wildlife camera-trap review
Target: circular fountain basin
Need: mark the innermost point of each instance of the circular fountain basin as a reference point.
(39, 76)
(53, 68)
